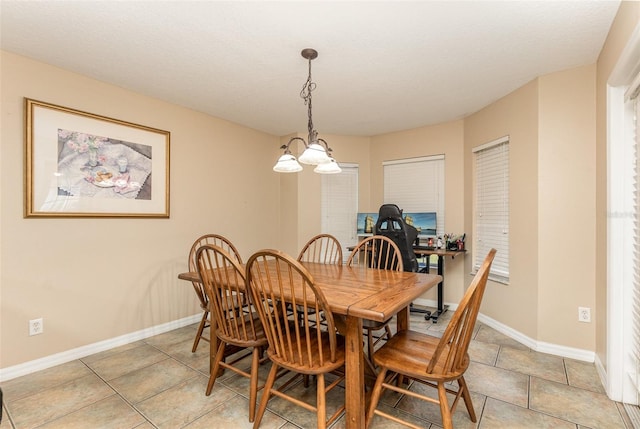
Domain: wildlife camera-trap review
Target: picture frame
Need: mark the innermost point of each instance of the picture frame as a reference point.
(80, 164)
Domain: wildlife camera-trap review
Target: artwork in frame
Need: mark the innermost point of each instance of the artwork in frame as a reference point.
(80, 164)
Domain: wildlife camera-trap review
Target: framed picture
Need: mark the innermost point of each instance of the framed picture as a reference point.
(79, 164)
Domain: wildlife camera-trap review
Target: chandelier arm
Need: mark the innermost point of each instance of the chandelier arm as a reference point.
(326, 145)
(286, 146)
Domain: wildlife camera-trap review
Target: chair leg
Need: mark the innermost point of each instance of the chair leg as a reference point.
(321, 405)
(253, 384)
(216, 365)
(444, 407)
(266, 394)
(375, 396)
(466, 396)
(370, 344)
(201, 327)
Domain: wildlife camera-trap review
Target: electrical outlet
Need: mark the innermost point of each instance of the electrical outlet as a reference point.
(36, 326)
(584, 314)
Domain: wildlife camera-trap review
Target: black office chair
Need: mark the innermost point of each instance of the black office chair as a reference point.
(391, 224)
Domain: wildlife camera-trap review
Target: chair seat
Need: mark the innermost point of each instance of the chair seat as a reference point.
(409, 353)
(313, 367)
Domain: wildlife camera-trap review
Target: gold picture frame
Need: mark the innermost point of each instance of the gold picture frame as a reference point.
(80, 164)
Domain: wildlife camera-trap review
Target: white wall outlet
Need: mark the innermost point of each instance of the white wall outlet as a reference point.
(36, 326)
(584, 314)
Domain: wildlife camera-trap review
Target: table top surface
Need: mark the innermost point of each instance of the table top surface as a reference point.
(363, 292)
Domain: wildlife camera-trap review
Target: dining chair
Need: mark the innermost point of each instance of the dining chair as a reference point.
(382, 253)
(217, 240)
(432, 361)
(279, 284)
(323, 248)
(237, 323)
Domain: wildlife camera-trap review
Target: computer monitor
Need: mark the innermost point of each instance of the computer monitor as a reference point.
(366, 223)
(424, 222)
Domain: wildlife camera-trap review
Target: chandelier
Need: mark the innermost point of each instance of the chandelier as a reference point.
(314, 153)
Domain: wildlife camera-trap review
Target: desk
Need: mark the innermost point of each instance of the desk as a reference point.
(362, 293)
(441, 253)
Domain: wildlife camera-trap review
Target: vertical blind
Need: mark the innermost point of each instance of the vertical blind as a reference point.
(416, 185)
(632, 281)
(491, 209)
(339, 205)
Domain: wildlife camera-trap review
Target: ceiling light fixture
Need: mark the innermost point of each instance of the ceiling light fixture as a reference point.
(314, 153)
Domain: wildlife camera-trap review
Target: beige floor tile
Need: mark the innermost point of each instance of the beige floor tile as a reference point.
(114, 351)
(579, 406)
(110, 413)
(583, 375)
(431, 412)
(184, 403)
(490, 335)
(498, 383)
(502, 415)
(162, 341)
(299, 415)
(58, 401)
(118, 364)
(235, 414)
(47, 378)
(527, 362)
(138, 385)
(483, 352)
(198, 360)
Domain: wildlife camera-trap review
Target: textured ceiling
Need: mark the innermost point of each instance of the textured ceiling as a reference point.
(383, 66)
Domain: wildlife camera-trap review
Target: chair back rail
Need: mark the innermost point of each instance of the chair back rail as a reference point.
(378, 252)
(323, 248)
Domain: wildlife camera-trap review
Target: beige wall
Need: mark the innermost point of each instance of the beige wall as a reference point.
(515, 115)
(566, 207)
(443, 139)
(96, 279)
(625, 23)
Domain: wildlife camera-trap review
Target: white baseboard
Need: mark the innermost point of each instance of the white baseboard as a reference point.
(80, 352)
(539, 346)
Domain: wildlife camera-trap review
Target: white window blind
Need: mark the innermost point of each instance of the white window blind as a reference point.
(416, 185)
(491, 216)
(632, 261)
(339, 205)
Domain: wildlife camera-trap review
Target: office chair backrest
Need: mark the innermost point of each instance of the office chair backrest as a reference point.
(391, 225)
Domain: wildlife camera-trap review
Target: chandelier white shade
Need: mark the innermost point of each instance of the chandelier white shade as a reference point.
(314, 153)
(287, 163)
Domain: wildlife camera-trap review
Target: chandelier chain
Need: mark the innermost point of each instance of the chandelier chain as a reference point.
(305, 94)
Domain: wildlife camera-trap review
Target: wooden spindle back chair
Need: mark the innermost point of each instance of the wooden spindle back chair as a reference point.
(217, 240)
(237, 323)
(431, 360)
(284, 292)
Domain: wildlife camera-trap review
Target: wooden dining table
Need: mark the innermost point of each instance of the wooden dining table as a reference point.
(362, 293)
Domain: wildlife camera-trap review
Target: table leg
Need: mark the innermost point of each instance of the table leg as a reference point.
(354, 374)
(441, 307)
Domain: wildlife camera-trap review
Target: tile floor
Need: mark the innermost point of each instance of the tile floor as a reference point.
(159, 383)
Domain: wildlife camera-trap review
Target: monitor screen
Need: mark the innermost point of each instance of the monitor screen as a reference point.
(424, 222)
(366, 223)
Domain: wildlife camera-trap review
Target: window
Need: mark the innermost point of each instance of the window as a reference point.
(339, 205)
(491, 209)
(416, 185)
